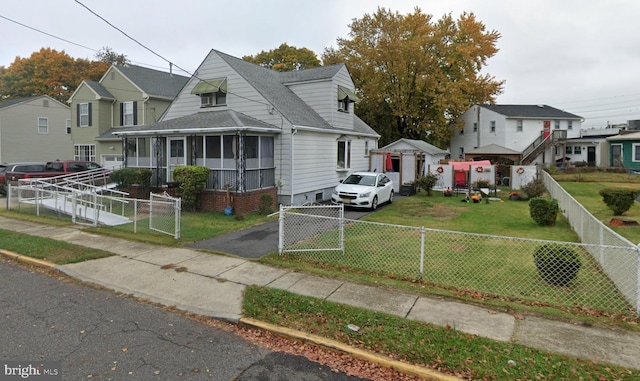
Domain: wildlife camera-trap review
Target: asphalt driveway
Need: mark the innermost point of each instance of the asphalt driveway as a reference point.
(257, 241)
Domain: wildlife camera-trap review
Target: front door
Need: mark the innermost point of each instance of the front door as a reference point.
(591, 156)
(177, 155)
(616, 155)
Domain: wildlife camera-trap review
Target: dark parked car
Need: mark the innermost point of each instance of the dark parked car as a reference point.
(16, 171)
(3, 168)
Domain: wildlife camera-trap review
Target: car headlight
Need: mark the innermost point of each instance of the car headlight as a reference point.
(365, 194)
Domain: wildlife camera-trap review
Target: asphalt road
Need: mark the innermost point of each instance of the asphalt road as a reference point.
(99, 335)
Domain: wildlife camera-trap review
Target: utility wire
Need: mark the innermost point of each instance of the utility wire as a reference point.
(163, 58)
(48, 34)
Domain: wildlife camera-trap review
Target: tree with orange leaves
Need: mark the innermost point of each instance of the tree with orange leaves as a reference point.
(47, 72)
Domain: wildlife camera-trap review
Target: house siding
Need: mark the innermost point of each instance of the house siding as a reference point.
(506, 133)
(241, 96)
(19, 137)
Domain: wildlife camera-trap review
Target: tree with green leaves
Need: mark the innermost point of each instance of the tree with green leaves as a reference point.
(285, 58)
(416, 76)
(47, 72)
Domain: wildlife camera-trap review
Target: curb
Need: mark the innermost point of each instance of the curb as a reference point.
(27, 260)
(424, 373)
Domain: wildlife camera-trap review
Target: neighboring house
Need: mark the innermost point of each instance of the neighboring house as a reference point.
(293, 135)
(537, 133)
(410, 159)
(624, 150)
(34, 129)
(125, 96)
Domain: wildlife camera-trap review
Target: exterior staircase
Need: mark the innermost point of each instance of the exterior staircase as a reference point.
(541, 144)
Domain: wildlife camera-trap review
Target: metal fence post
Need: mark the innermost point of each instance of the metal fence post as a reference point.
(638, 281)
(422, 235)
(342, 228)
(281, 231)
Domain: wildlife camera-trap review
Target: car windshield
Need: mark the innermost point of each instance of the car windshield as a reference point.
(360, 180)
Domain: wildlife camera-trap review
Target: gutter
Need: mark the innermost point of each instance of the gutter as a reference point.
(195, 130)
(294, 131)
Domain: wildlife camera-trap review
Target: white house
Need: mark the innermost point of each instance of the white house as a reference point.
(533, 131)
(290, 134)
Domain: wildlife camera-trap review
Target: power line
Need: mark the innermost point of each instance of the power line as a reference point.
(48, 34)
(160, 56)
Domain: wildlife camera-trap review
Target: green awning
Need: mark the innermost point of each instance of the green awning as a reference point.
(343, 92)
(210, 86)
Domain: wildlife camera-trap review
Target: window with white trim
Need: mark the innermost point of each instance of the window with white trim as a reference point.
(519, 125)
(569, 124)
(475, 126)
(344, 153)
(43, 126)
(493, 126)
(84, 152)
(568, 150)
(636, 153)
(127, 114)
(68, 126)
(556, 125)
(83, 114)
(577, 150)
(366, 148)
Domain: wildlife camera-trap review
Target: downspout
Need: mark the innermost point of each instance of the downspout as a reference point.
(294, 131)
(145, 101)
(478, 125)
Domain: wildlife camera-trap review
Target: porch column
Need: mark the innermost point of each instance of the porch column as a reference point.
(241, 164)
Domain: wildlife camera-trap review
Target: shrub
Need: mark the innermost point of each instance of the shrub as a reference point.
(534, 188)
(544, 210)
(481, 184)
(557, 264)
(192, 181)
(618, 199)
(126, 177)
(266, 204)
(427, 183)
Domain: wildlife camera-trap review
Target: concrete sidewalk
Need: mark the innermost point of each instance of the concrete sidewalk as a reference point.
(213, 285)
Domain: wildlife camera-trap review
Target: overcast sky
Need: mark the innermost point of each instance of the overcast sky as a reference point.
(581, 56)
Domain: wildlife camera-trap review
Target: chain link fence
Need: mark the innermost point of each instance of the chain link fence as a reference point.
(164, 214)
(624, 267)
(515, 270)
(160, 213)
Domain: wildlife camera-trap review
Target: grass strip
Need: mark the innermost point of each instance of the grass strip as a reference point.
(47, 249)
(439, 348)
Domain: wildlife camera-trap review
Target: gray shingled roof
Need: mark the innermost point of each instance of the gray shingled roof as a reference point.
(210, 120)
(269, 84)
(11, 102)
(154, 82)
(99, 89)
(313, 74)
(420, 145)
(493, 149)
(531, 111)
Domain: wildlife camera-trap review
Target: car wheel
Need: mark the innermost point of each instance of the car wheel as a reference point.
(391, 197)
(374, 203)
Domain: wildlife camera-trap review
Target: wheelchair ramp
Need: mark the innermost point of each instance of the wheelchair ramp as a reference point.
(61, 204)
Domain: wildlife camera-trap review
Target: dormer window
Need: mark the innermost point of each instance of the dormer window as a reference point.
(345, 98)
(212, 92)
